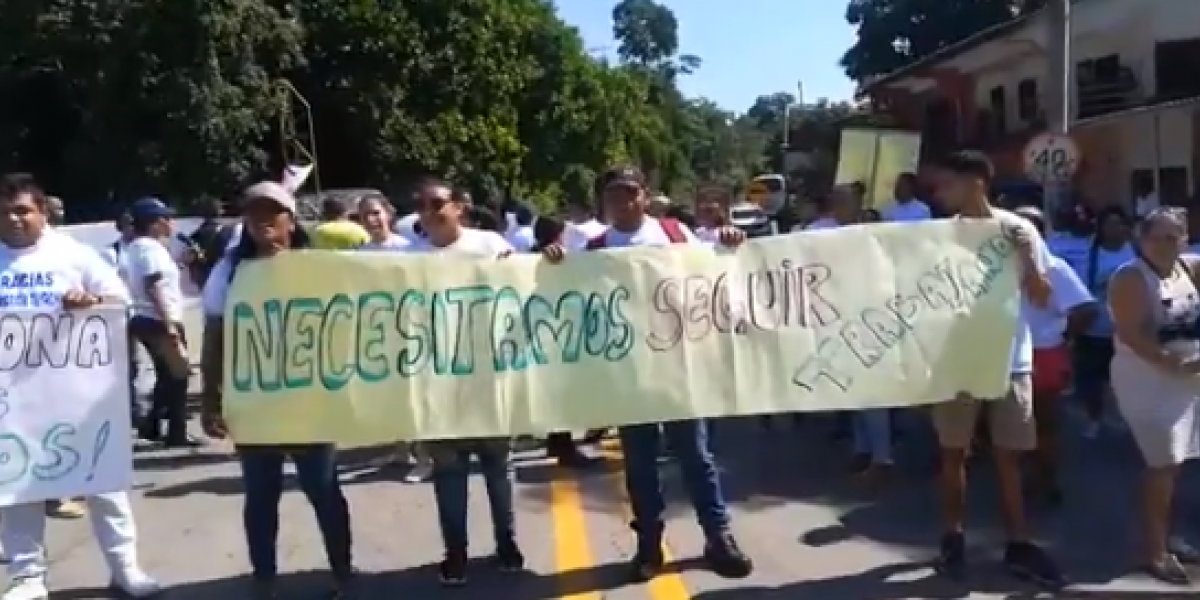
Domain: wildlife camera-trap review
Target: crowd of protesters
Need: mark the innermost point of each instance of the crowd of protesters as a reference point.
(1109, 311)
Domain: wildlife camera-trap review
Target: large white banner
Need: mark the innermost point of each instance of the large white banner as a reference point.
(64, 405)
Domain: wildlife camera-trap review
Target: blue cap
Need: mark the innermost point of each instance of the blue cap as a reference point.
(150, 208)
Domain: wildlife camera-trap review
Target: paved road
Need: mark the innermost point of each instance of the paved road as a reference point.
(812, 532)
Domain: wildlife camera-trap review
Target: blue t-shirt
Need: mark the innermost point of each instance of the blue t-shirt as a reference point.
(1095, 267)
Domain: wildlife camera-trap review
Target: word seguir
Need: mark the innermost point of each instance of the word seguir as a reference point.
(374, 335)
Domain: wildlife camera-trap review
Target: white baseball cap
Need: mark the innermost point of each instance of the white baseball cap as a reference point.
(273, 191)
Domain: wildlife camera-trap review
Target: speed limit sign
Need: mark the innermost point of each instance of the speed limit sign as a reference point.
(1051, 158)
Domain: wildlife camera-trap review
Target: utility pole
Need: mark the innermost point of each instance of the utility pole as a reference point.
(1060, 86)
(787, 127)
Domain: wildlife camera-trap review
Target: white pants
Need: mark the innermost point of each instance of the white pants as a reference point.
(23, 534)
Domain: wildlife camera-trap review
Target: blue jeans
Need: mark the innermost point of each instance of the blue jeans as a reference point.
(451, 469)
(688, 442)
(316, 470)
(872, 430)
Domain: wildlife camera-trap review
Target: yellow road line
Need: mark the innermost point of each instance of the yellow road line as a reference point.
(669, 585)
(572, 547)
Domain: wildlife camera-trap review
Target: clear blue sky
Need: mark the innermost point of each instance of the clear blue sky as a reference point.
(749, 47)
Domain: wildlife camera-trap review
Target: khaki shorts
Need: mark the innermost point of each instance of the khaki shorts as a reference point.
(1010, 419)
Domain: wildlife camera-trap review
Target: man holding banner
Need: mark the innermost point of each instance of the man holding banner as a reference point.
(623, 191)
(45, 272)
(967, 178)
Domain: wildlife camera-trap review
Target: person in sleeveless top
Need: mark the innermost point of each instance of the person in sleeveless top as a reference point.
(1154, 303)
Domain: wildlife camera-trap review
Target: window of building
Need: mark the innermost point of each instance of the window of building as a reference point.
(1176, 64)
(1173, 186)
(1028, 104)
(998, 103)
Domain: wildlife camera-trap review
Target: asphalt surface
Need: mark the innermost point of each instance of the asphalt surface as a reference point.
(812, 531)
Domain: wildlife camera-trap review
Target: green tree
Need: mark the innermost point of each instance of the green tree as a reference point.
(895, 33)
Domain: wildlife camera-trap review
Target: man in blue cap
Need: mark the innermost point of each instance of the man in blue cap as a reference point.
(155, 282)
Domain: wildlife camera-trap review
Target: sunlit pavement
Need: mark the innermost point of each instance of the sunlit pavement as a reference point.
(812, 532)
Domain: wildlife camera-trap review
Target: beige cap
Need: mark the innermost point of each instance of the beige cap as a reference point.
(271, 190)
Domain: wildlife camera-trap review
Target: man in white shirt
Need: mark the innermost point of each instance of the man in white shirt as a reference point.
(74, 277)
(967, 180)
(626, 207)
(441, 215)
(155, 281)
(906, 206)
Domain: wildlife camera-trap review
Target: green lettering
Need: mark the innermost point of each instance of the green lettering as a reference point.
(464, 300)
(261, 363)
(411, 324)
(374, 308)
(339, 313)
(510, 341)
(301, 324)
(595, 325)
(620, 336)
(563, 320)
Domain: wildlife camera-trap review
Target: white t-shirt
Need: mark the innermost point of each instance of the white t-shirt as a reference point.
(821, 223)
(394, 243)
(1022, 351)
(912, 210)
(1047, 325)
(116, 255)
(37, 277)
(1143, 205)
(1071, 248)
(216, 288)
(146, 257)
(651, 233)
(475, 242)
(522, 238)
(577, 235)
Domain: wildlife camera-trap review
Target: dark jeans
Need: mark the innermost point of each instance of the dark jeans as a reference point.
(168, 399)
(1092, 360)
(316, 470)
(688, 442)
(451, 468)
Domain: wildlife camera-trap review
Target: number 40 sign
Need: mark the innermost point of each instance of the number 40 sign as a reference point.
(1051, 158)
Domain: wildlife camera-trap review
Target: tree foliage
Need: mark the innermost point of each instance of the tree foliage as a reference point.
(895, 33)
(107, 99)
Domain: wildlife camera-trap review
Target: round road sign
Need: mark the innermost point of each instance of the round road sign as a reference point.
(1051, 158)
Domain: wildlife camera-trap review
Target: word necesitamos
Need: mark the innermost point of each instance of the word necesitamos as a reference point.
(329, 342)
(54, 340)
(863, 341)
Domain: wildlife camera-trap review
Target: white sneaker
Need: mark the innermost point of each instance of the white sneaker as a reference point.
(420, 473)
(27, 588)
(134, 582)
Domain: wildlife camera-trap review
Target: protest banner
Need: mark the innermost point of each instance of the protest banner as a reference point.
(64, 405)
(363, 348)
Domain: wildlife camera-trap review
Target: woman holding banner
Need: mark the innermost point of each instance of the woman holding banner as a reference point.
(270, 228)
(77, 276)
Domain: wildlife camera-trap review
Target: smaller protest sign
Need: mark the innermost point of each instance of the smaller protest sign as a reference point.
(64, 405)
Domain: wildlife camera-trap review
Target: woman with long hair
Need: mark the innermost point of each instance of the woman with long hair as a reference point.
(376, 215)
(1155, 305)
(271, 228)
